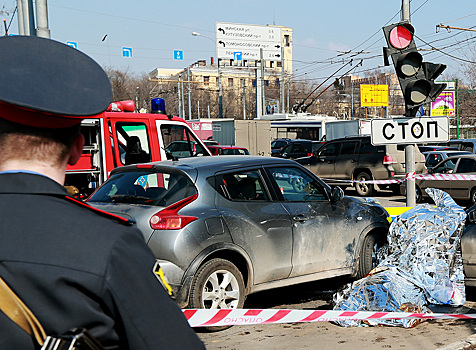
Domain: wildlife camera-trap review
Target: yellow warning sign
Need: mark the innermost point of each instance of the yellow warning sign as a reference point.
(373, 95)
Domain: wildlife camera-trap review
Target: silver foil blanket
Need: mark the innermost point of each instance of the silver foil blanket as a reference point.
(421, 265)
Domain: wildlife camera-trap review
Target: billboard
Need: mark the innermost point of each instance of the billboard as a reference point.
(445, 104)
(373, 95)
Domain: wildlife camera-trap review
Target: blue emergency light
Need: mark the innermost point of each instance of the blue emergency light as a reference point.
(158, 106)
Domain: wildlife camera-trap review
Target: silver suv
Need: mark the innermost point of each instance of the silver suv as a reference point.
(224, 227)
(347, 160)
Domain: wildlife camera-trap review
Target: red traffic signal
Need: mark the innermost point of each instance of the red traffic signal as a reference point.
(415, 76)
(401, 36)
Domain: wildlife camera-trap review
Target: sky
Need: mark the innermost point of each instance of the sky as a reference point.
(322, 31)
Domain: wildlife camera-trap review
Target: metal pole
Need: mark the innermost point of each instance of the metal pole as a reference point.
(179, 97)
(263, 64)
(21, 25)
(456, 109)
(259, 91)
(282, 79)
(409, 149)
(220, 92)
(352, 98)
(406, 10)
(189, 95)
(198, 109)
(287, 101)
(244, 97)
(42, 29)
(410, 170)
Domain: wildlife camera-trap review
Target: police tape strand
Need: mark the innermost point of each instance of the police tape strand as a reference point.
(412, 176)
(236, 317)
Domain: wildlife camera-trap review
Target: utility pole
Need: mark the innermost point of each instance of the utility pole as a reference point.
(243, 91)
(282, 79)
(263, 65)
(409, 149)
(42, 29)
(180, 95)
(21, 25)
(259, 91)
(189, 97)
(220, 92)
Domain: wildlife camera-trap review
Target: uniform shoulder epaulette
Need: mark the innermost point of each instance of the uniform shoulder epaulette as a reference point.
(118, 218)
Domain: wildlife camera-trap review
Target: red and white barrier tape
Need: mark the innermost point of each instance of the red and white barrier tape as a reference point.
(229, 317)
(411, 176)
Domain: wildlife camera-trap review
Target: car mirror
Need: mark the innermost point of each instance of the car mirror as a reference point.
(472, 216)
(337, 194)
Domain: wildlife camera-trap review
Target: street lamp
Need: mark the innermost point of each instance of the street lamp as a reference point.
(220, 89)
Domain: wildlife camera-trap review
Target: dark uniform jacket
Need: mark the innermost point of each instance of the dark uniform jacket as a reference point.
(74, 267)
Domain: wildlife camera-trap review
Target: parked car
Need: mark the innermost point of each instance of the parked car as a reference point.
(428, 148)
(278, 144)
(434, 157)
(181, 149)
(210, 143)
(461, 144)
(468, 247)
(355, 158)
(299, 148)
(225, 227)
(228, 150)
(460, 190)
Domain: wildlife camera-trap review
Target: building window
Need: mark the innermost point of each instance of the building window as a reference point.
(287, 42)
(230, 81)
(206, 80)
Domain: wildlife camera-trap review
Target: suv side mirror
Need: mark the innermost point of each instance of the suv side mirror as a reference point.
(472, 216)
(337, 194)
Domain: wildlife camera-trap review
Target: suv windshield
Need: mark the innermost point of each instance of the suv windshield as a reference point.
(151, 188)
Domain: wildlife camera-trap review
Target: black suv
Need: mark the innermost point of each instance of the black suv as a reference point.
(298, 148)
(355, 159)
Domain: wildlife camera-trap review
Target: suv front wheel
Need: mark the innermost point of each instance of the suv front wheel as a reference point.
(363, 189)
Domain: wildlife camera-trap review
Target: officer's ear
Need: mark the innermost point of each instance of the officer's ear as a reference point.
(76, 150)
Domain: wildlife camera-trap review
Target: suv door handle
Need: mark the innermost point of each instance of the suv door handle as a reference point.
(301, 218)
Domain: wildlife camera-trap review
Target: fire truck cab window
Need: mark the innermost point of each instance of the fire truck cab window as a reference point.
(133, 140)
(179, 142)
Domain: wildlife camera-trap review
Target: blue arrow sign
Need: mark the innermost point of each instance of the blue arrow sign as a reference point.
(178, 55)
(127, 52)
(238, 55)
(72, 44)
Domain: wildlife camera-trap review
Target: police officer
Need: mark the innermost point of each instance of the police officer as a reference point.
(73, 266)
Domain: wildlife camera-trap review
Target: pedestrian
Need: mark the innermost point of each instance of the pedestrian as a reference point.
(73, 266)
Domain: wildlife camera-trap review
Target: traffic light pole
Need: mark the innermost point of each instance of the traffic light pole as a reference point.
(409, 149)
(410, 170)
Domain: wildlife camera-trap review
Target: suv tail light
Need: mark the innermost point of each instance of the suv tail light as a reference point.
(168, 219)
(309, 154)
(389, 160)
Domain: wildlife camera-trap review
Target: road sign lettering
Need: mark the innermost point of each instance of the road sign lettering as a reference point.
(409, 131)
(248, 39)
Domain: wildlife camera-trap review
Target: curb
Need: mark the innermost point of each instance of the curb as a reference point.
(463, 344)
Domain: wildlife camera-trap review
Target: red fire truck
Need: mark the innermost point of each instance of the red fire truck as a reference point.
(119, 137)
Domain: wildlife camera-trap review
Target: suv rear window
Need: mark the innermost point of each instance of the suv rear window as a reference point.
(151, 188)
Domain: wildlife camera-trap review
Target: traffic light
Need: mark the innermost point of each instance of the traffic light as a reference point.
(417, 78)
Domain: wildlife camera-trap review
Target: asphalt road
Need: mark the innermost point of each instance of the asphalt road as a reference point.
(431, 334)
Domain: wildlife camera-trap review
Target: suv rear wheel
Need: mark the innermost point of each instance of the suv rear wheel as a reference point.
(363, 189)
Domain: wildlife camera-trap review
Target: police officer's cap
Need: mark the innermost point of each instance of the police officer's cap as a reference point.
(47, 84)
